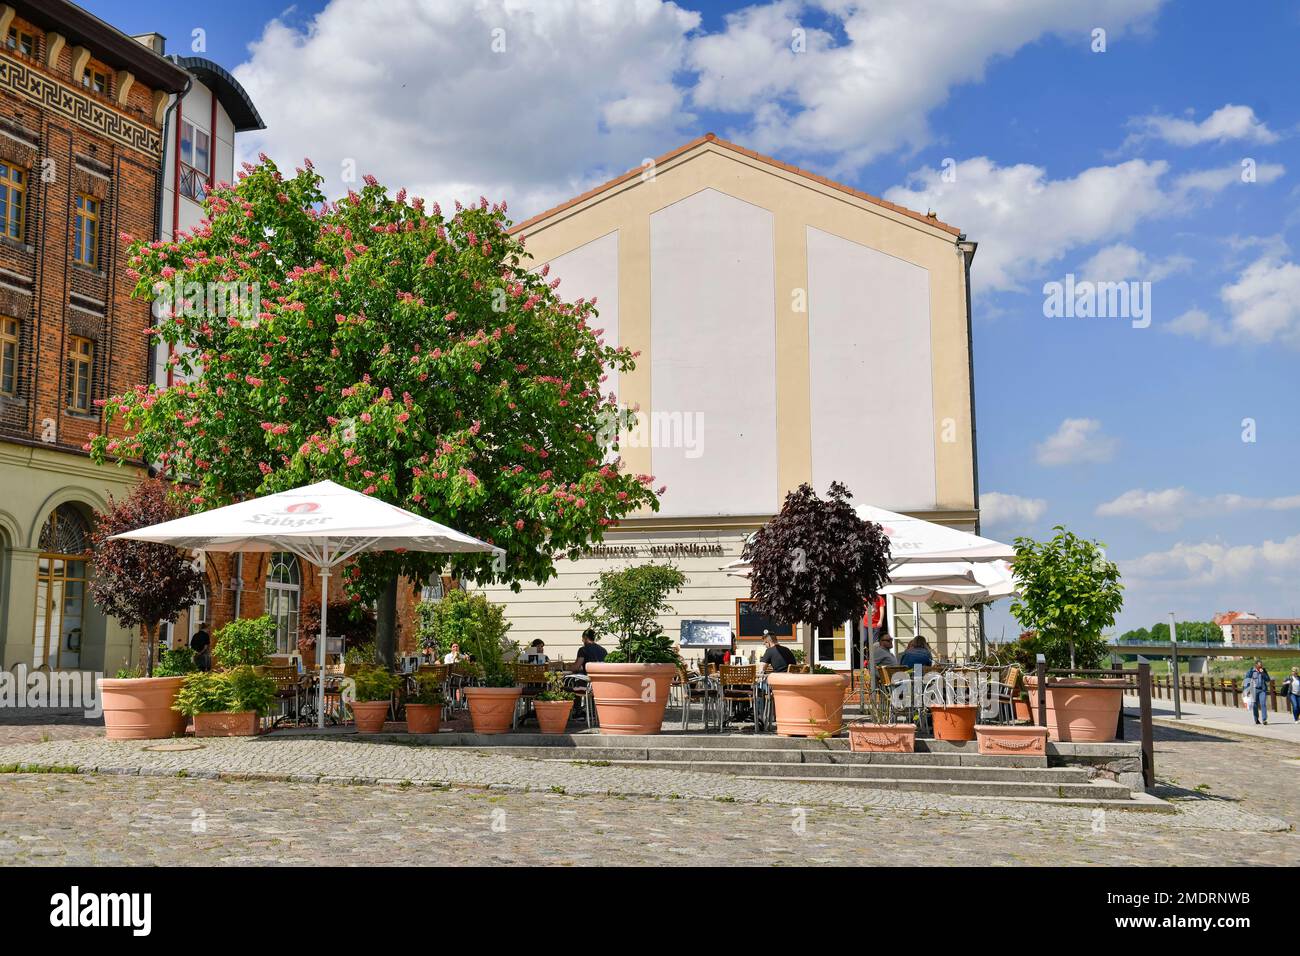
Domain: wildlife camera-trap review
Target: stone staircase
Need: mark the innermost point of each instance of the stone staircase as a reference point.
(1071, 776)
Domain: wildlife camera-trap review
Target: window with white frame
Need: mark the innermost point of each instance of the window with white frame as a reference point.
(196, 161)
(283, 597)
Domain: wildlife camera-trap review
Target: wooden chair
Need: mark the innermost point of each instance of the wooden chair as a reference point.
(736, 683)
(533, 679)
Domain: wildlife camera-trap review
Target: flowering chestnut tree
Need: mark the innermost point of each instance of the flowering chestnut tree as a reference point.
(392, 348)
(817, 561)
(139, 583)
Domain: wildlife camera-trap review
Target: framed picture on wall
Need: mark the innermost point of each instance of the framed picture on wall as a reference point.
(750, 623)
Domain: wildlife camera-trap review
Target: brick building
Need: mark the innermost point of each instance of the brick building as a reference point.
(83, 112)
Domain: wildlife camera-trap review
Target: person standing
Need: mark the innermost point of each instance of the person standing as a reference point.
(1293, 693)
(1256, 688)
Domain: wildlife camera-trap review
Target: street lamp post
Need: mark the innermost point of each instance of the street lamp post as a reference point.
(1173, 666)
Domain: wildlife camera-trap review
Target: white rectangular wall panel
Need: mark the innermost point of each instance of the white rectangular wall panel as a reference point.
(870, 374)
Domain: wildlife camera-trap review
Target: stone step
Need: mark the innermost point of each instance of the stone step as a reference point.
(1055, 775)
(794, 757)
(1099, 790)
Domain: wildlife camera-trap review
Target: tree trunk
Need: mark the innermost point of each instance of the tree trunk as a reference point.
(150, 634)
(386, 625)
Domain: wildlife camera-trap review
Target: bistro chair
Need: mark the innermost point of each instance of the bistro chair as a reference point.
(691, 688)
(533, 679)
(288, 687)
(738, 683)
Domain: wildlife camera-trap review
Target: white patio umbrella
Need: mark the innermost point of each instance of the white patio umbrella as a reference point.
(990, 581)
(325, 524)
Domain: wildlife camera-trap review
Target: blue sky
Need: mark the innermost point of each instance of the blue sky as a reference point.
(1121, 165)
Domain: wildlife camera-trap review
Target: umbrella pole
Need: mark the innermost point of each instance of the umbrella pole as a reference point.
(320, 642)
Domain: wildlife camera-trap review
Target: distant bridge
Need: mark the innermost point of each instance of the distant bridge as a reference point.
(1162, 649)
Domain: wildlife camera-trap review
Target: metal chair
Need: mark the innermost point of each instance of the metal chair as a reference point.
(695, 687)
(533, 679)
(288, 687)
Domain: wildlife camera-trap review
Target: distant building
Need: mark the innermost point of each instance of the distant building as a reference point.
(1226, 620)
(1251, 631)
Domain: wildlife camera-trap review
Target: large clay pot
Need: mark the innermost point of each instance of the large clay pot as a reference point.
(553, 715)
(241, 723)
(140, 708)
(807, 705)
(369, 715)
(423, 718)
(1022, 710)
(882, 738)
(492, 709)
(630, 698)
(1084, 714)
(953, 721)
(1011, 740)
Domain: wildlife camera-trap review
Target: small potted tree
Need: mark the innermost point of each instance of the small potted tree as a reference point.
(817, 563)
(373, 687)
(141, 584)
(226, 703)
(480, 628)
(630, 687)
(1069, 594)
(553, 705)
(424, 706)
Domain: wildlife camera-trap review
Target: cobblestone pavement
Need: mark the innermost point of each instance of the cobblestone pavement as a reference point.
(651, 816)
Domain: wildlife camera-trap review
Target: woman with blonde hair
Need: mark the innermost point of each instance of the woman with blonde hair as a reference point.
(917, 652)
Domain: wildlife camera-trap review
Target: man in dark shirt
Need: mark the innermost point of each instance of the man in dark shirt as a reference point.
(201, 644)
(776, 659)
(590, 652)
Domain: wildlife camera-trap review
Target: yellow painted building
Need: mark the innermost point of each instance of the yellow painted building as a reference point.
(790, 329)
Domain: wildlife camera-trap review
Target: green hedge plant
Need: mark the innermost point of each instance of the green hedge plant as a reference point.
(374, 684)
(248, 642)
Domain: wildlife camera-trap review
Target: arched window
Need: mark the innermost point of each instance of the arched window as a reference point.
(283, 593)
(61, 589)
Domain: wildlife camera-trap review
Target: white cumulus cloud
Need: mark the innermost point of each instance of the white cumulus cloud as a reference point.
(1262, 305)
(1076, 441)
(1215, 564)
(997, 508)
(1168, 508)
(1227, 123)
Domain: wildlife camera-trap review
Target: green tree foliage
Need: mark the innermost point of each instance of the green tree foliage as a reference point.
(627, 604)
(1069, 594)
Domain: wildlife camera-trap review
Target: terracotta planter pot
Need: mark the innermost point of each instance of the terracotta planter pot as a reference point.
(1076, 713)
(630, 698)
(140, 708)
(369, 715)
(882, 738)
(807, 704)
(423, 718)
(553, 715)
(954, 721)
(1013, 741)
(1022, 710)
(492, 709)
(241, 723)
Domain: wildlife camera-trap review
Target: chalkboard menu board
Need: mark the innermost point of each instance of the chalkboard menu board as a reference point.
(750, 624)
(705, 634)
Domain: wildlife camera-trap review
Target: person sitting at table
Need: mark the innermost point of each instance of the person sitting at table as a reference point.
(536, 653)
(590, 652)
(777, 658)
(453, 655)
(917, 652)
(882, 650)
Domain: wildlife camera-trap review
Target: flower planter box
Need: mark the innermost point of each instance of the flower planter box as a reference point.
(492, 709)
(369, 715)
(1022, 710)
(630, 698)
(882, 738)
(423, 718)
(241, 723)
(1079, 710)
(807, 705)
(953, 721)
(140, 708)
(1009, 740)
(553, 715)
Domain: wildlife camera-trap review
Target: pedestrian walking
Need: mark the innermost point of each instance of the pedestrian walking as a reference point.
(1256, 691)
(1292, 688)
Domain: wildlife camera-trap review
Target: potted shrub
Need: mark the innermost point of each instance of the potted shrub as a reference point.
(553, 705)
(480, 628)
(141, 584)
(247, 642)
(373, 687)
(424, 706)
(1069, 594)
(817, 563)
(630, 687)
(226, 703)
